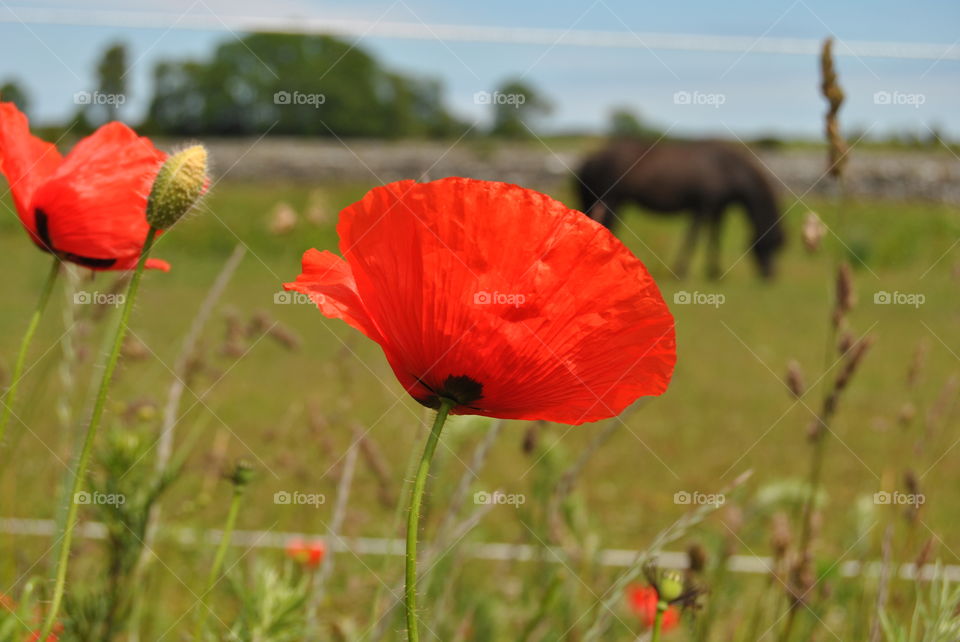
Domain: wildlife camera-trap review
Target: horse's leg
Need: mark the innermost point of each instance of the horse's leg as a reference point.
(610, 218)
(598, 212)
(682, 264)
(603, 212)
(713, 247)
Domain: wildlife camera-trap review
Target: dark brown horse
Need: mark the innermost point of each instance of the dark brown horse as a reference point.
(700, 177)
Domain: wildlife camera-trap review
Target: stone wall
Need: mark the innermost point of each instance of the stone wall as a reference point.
(929, 175)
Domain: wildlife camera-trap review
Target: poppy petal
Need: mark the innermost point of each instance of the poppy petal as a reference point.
(25, 160)
(96, 200)
(157, 264)
(527, 309)
(327, 280)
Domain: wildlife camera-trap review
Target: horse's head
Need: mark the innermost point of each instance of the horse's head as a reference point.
(763, 211)
(765, 248)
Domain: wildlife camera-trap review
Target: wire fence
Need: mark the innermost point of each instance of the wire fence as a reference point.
(478, 33)
(490, 551)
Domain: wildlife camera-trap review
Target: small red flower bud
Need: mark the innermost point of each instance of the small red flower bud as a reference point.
(643, 602)
(308, 554)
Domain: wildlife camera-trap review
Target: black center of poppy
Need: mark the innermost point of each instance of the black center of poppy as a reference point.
(461, 389)
(42, 223)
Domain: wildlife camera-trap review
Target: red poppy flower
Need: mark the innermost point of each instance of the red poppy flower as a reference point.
(88, 207)
(498, 298)
(308, 554)
(643, 602)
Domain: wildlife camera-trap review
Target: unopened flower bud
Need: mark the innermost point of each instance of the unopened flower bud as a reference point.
(178, 186)
(241, 475)
(671, 586)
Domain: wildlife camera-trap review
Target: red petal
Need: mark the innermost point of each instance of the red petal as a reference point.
(671, 618)
(25, 161)
(157, 264)
(327, 280)
(96, 201)
(577, 329)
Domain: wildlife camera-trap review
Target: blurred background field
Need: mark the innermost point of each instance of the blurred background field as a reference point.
(730, 368)
(727, 410)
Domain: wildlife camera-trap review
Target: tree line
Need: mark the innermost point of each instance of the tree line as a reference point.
(294, 85)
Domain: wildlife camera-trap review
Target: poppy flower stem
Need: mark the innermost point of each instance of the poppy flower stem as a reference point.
(80, 471)
(413, 517)
(10, 397)
(214, 575)
(658, 621)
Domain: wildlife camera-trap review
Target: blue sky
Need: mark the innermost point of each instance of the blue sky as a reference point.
(761, 93)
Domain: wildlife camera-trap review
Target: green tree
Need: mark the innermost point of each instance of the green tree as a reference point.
(12, 92)
(294, 85)
(624, 123)
(516, 107)
(111, 84)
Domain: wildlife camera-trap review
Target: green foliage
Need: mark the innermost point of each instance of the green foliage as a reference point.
(19, 618)
(625, 123)
(936, 616)
(294, 85)
(786, 494)
(272, 605)
(124, 487)
(12, 92)
(516, 105)
(112, 82)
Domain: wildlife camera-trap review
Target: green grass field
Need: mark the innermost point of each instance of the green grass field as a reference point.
(727, 409)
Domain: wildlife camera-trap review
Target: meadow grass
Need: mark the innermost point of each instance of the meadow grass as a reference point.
(727, 409)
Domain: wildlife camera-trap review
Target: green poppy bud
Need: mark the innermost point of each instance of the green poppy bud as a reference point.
(241, 475)
(178, 187)
(671, 586)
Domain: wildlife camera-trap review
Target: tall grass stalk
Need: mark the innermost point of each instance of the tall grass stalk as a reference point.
(240, 478)
(80, 470)
(10, 396)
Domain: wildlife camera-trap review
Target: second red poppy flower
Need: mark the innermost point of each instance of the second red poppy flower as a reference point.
(89, 207)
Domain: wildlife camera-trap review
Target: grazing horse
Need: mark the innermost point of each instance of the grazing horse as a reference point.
(700, 177)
